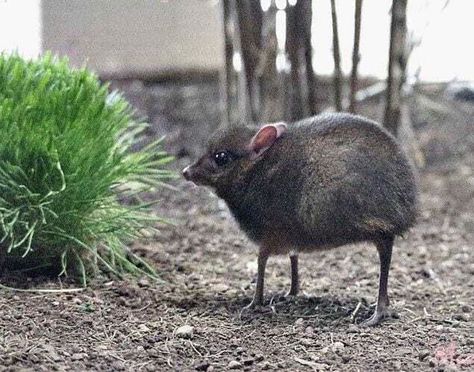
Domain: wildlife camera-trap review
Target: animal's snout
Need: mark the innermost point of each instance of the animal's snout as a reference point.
(187, 173)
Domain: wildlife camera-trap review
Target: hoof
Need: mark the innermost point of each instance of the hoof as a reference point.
(254, 308)
(378, 316)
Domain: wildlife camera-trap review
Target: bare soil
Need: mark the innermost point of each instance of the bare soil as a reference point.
(207, 268)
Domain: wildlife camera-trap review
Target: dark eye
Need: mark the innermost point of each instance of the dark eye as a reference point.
(222, 158)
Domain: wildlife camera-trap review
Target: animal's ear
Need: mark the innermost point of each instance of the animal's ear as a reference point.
(266, 137)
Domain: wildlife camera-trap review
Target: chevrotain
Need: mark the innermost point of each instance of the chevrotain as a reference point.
(320, 183)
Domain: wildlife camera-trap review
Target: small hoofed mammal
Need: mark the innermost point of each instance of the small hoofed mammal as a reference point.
(320, 183)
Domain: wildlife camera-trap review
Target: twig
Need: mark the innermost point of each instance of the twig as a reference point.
(42, 290)
(356, 310)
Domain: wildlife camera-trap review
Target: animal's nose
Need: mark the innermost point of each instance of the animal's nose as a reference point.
(187, 172)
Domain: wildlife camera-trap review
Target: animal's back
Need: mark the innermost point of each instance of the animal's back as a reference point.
(336, 179)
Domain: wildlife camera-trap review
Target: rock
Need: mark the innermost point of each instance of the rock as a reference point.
(252, 266)
(78, 356)
(143, 328)
(118, 366)
(353, 329)
(309, 330)
(345, 358)
(397, 365)
(337, 346)
(299, 322)
(143, 282)
(204, 366)
(248, 361)
(220, 287)
(233, 364)
(53, 354)
(461, 317)
(77, 301)
(307, 342)
(423, 354)
(185, 331)
(320, 366)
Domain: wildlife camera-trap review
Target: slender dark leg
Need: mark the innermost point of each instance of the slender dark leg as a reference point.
(258, 297)
(384, 247)
(295, 285)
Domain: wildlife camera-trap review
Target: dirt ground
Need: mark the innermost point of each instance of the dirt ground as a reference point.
(192, 320)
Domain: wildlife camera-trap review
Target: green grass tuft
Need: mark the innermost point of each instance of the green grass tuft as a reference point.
(65, 161)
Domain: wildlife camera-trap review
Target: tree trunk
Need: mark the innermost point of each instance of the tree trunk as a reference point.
(337, 59)
(228, 79)
(396, 66)
(266, 88)
(249, 14)
(234, 83)
(355, 56)
(270, 80)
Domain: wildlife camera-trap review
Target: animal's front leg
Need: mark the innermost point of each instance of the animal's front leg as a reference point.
(258, 296)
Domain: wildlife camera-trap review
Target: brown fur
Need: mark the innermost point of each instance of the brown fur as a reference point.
(325, 182)
(329, 180)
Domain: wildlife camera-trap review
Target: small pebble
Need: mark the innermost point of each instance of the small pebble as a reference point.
(337, 346)
(118, 365)
(78, 356)
(299, 322)
(185, 331)
(143, 282)
(233, 364)
(309, 330)
(248, 361)
(423, 354)
(353, 329)
(398, 365)
(220, 287)
(143, 328)
(320, 366)
(204, 366)
(307, 342)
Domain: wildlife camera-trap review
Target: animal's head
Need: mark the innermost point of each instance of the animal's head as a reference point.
(231, 154)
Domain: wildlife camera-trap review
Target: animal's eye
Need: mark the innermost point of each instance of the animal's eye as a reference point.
(222, 158)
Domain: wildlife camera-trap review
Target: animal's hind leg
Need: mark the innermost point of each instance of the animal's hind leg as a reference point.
(295, 283)
(384, 248)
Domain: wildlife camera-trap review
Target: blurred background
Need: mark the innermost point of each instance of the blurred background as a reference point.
(128, 38)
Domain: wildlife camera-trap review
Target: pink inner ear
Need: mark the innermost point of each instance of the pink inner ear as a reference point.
(266, 136)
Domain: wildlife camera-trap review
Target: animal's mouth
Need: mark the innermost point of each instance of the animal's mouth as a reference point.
(190, 173)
